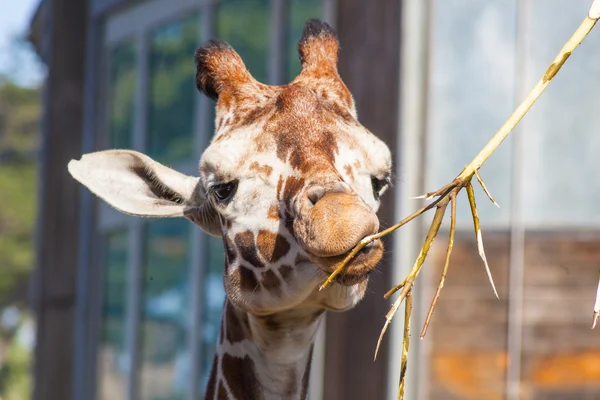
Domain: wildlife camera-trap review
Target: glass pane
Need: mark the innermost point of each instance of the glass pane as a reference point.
(561, 141)
(244, 24)
(471, 93)
(214, 297)
(112, 354)
(172, 91)
(562, 242)
(300, 11)
(121, 94)
(165, 325)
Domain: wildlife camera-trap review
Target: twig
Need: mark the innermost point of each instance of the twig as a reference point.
(407, 285)
(596, 306)
(478, 238)
(467, 174)
(405, 344)
(485, 189)
(463, 180)
(446, 264)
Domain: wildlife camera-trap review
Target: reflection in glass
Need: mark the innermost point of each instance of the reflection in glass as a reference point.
(165, 319)
(472, 81)
(560, 135)
(214, 296)
(112, 354)
(172, 91)
(244, 24)
(300, 11)
(121, 94)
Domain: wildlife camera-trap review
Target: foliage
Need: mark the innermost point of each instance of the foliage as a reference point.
(19, 121)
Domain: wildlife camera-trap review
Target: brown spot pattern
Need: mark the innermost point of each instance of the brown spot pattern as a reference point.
(235, 325)
(271, 282)
(272, 246)
(306, 376)
(263, 169)
(273, 213)
(348, 170)
(244, 241)
(222, 329)
(248, 280)
(293, 186)
(222, 395)
(241, 377)
(285, 271)
(212, 381)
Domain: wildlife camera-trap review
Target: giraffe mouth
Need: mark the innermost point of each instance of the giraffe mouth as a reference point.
(358, 269)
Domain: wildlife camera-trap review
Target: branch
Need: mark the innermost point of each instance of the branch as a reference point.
(448, 193)
(596, 306)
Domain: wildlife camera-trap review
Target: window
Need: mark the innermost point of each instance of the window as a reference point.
(244, 24)
(165, 319)
(300, 11)
(122, 94)
(113, 355)
(171, 107)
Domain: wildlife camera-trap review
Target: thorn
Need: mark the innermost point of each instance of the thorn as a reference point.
(483, 257)
(596, 305)
(478, 238)
(388, 318)
(485, 189)
(385, 326)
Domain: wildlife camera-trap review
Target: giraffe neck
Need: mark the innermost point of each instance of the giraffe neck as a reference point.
(263, 357)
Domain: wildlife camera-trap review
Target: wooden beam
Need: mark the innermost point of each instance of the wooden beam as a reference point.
(369, 33)
(54, 291)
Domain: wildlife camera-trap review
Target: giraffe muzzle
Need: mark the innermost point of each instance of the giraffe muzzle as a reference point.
(332, 226)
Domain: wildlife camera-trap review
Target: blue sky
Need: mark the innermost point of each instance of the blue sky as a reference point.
(18, 62)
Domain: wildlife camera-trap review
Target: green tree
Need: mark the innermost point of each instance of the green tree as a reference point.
(19, 136)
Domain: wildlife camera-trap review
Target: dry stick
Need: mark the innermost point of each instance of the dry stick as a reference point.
(405, 343)
(467, 174)
(485, 189)
(478, 237)
(407, 285)
(596, 306)
(464, 178)
(446, 264)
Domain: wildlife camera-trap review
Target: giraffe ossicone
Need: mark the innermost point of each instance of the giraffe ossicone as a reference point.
(291, 181)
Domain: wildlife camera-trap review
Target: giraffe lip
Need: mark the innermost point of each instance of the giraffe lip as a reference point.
(350, 279)
(357, 269)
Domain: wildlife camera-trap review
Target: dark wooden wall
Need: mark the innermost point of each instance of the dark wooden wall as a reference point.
(369, 33)
(54, 291)
(560, 357)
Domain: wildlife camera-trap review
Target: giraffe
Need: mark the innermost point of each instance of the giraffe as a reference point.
(291, 181)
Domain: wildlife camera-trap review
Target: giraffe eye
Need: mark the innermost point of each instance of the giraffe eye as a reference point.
(379, 186)
(224, 192)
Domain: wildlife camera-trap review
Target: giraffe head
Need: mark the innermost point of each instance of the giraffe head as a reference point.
(291, 180)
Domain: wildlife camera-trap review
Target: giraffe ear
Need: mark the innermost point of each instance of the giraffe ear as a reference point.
(318, 46)
(219, 68)
(318, 49)
(135, 184)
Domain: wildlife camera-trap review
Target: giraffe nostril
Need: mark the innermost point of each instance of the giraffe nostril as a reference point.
(315, 194)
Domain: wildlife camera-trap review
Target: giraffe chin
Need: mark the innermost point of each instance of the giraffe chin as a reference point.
(358, 269)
